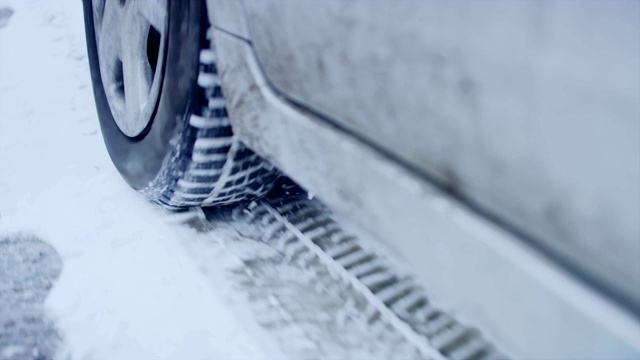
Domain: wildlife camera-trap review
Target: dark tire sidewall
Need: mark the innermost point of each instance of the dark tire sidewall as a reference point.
(140, 160)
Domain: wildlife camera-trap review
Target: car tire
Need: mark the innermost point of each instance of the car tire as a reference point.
(187, 155)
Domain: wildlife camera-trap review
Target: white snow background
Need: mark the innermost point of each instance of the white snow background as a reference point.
(129, 288)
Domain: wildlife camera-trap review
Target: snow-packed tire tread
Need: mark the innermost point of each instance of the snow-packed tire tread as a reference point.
(209, 165)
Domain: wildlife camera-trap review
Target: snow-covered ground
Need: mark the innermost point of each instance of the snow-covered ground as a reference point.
(129, 286)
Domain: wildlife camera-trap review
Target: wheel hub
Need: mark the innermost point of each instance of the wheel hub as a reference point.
(131, 39)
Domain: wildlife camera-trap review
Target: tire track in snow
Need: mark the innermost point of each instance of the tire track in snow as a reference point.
(324, 292)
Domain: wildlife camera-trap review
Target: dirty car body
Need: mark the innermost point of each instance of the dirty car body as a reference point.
(526, 114)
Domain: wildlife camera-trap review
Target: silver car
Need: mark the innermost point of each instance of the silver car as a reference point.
(495, 145)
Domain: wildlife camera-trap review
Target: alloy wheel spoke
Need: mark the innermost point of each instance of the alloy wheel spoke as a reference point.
(154, 11)
(98, 10)
(109, 49)
(137, 82)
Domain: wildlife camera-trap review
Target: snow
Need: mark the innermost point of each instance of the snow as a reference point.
(11, 351)
(207, 57)
(129, 287)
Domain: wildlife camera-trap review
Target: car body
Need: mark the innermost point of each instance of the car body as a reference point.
(495, 145)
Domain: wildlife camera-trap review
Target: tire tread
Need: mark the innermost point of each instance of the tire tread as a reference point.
(216, 168)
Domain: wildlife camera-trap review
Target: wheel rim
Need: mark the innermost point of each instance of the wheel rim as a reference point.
(131, 41)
